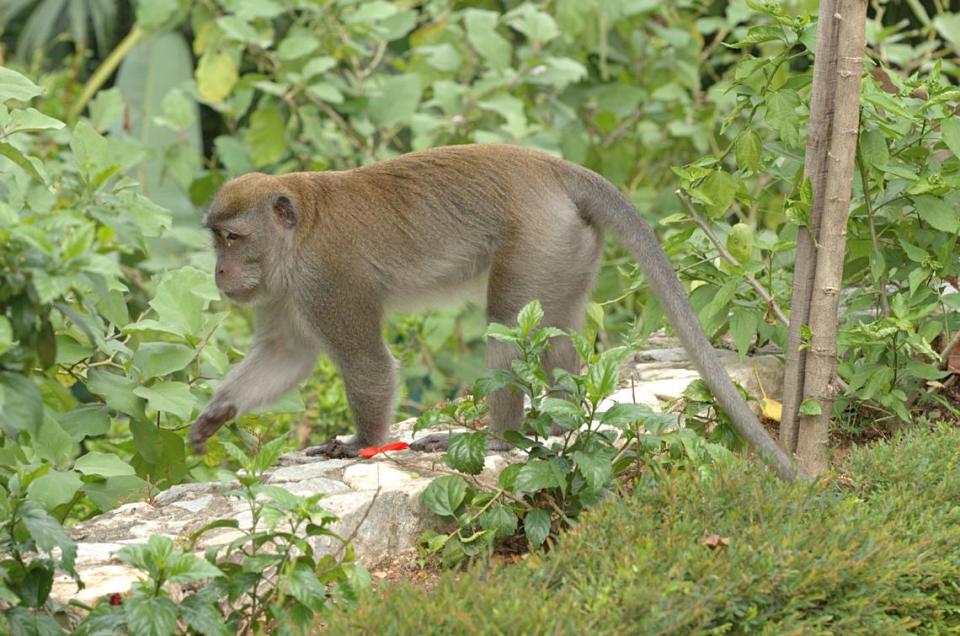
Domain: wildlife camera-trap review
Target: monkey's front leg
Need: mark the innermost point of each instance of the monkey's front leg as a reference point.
(274, 366)
(369, 375)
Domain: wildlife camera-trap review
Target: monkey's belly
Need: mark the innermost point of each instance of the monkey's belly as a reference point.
(441, 295)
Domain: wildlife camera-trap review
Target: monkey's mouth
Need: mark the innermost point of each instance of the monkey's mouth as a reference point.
(241, 295)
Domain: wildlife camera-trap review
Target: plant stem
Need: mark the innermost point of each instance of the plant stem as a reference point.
(105, 70)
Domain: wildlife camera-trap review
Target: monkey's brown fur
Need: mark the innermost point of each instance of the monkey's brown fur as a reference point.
(322, 255)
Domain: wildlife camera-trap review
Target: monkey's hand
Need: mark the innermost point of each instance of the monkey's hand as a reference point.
(210, 421)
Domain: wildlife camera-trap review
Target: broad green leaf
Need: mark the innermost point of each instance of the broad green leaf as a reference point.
(533, 23)
(48, 533)
(162, 358)
(721, 188)
(397, 100)
(596, 467)
(252, 9)
(6, 335)
(169, 397)
(54, 488)
(21, 407)
(102, 464)
(950, 130)
(30, 165)
(317, 65)
(499, 519)
(563, 412)
(107, 494)
(87, 420)
(116, 390)
(530, 317)
(466, 452)
(182, 296)
(266, 136)
(201, 611)
(149, 615)
(443, 57)
(743, 328)
(326, 91)
(747, 149)
(536, 525)
(216, 76)
(782, 116)
(935, 211)
(481, 32)
(297, 44)
(13, 85)
(187, 568)
(302, 584)
(444, 495)
(740, 242)
(948, 24)
(539, 474)
(30, 119)
(810, 408)
(620, 415)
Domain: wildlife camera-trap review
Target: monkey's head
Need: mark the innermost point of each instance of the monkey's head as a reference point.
(252, 219)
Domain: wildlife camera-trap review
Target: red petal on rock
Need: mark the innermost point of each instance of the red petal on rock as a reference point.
(395, 446)
(370, 451)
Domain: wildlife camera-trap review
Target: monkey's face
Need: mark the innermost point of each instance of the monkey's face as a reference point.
(251, 228)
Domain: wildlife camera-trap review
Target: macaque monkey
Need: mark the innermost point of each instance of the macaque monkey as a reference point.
(322, 255)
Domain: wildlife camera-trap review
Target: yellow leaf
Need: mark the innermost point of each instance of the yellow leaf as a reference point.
(772, 410)
(216, 75)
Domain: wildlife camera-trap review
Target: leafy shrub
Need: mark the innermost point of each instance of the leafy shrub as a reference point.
(556, 481)
(872, 553)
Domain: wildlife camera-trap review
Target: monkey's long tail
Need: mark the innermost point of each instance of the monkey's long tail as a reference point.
(599, 201)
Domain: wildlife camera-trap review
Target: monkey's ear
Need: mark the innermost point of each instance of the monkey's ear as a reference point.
(285, 210)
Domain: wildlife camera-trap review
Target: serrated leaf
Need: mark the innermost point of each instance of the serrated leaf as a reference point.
(563, 412)
(466, 452)
(149, 615)
(536, 525)
(116, 390)
(747, 149)
(596, 467)
(499, 519)
(530, 317)
(444, 495)
(48, 533)
(201, 611)
(188, 568)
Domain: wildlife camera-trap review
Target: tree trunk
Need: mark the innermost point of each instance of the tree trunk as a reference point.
(819, 383)
(814, 169)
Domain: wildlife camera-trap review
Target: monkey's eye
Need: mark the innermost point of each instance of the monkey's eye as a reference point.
(232, 236)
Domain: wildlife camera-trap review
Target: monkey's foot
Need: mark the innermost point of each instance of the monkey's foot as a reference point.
(336, 449)
(432, 443)
(209, 422)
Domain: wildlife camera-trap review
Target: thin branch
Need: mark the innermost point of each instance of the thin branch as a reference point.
(760, 289)
(882, 279)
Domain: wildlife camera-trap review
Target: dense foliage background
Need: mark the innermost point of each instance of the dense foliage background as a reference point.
(118, 121)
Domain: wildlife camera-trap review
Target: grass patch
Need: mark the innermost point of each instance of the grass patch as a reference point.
(874, 549)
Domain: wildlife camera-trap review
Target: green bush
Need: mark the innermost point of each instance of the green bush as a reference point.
(875, 550)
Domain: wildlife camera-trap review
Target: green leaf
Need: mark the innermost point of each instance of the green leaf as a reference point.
(743, 327)
(326, 91)
(539, 474)
(149, 615)
(466, 451)
(21, 406)
(482, 33)
(620, 415)
(297, 44)
(935, 211)
(181, 298)
(537, 25)
(302, 584)
(499, 519)
(169, 397)
(103, 464)
(201, 611)
(107, 493)
(596, 467)
(30, 165)
(740, 242)
(188, 568)
(444, 495)
(443, 57)
(747, 149)
(602, 376)
(397, 100)
(782, 116)
(266, 136)
(563, 412)
(162, 358)
(810, 408)
(20, 620)
(950, 131)
(48, 533)
(30, 119)
(948, 24)
(216, 76)
(54, 488)
(13, 85)
(530, 317)
(536, 525)
(721, 188)
(117, 391)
